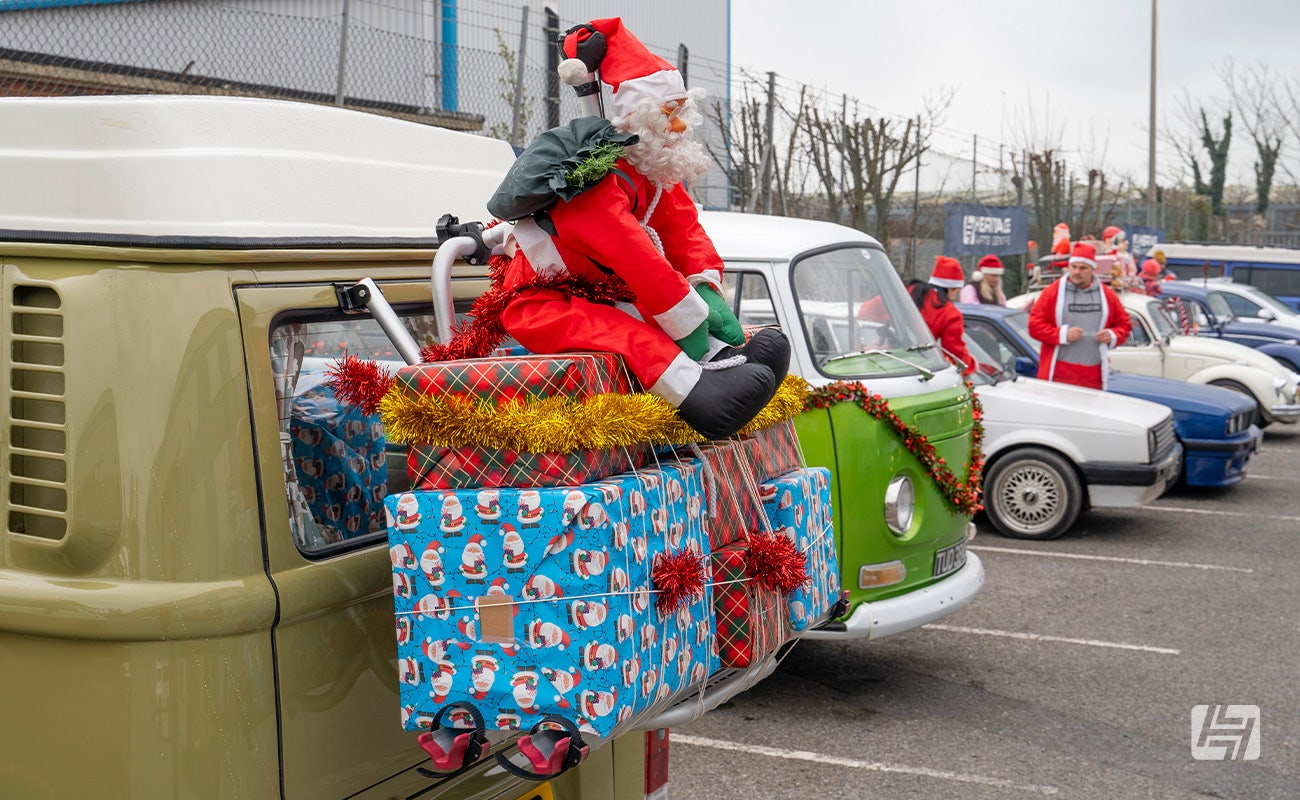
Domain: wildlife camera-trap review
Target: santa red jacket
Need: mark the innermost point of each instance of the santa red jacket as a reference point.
(946, 323)
(1044, 326)
(617, 226)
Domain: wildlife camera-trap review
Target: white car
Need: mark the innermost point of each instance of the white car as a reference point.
(1156, 348)
(1249, 303)
(1053, 450)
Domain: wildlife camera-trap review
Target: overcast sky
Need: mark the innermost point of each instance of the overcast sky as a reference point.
(1013, 63)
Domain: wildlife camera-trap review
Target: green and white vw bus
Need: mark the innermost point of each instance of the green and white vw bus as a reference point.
(832, 289)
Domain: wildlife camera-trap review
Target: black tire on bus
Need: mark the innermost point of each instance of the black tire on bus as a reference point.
(1032, 493)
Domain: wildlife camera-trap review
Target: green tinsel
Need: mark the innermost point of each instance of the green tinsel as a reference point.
(596, 166)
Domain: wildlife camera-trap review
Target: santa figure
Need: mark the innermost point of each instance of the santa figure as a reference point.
(453, 518)
(483, 671)
(514, 556)
(431, 564)
(473, 564)
(1115, 244)
(408, 513)
(488, 507)
(662, 309)
(530, 508)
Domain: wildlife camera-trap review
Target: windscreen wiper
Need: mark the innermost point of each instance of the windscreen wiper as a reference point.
(924, 373)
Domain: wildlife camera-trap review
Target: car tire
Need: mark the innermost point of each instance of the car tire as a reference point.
(1032, 493)
(1240, 389)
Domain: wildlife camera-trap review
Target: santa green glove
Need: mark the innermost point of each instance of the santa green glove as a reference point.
(696, 343)
(722, 323)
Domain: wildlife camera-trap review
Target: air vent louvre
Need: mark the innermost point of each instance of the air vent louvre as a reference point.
(36, 457)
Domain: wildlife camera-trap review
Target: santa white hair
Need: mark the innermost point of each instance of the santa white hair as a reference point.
(662, 155)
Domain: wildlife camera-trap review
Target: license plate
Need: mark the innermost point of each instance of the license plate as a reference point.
(950, 559)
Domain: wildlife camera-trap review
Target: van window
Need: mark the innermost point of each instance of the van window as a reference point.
(1279, 282)
(750, 298)
(336, 460)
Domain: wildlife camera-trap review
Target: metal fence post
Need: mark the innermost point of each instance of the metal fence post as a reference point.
(343, 57)
(515, 133)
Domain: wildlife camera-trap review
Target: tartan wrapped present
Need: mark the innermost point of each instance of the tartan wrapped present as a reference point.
(799, 505)
(513, 377)
(531, 601)
(435, 467)
(750, 617)
(736, 469)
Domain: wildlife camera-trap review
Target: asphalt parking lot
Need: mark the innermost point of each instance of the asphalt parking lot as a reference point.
(1073, 674)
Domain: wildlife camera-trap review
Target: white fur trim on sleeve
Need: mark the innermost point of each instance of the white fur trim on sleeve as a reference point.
(1065, 335)
(713, 277)
(684, 317)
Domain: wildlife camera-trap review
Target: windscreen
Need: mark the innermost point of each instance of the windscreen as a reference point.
(858, 318)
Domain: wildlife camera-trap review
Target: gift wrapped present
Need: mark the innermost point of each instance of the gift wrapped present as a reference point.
(750, 618)
(798, 504)
(338, 455)
(736, 469)
(517, 377)
(531, 601)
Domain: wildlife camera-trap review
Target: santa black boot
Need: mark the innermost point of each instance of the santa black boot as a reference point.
(725, 400)
(768, 347)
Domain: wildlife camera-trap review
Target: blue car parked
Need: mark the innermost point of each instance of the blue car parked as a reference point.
(1214, 317)
(1216, 426)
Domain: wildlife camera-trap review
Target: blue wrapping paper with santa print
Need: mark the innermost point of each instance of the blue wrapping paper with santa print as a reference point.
(798, 505)
(533, 601)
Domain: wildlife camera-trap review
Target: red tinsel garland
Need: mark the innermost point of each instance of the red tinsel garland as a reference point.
(677, 577)
(774, 561)
(359, 383)
(965, 497)
(483, 333)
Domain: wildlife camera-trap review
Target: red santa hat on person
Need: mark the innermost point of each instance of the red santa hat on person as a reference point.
(1151, 268)
(947, 273)
(989, 265)
(1084, 253)
(633, 73)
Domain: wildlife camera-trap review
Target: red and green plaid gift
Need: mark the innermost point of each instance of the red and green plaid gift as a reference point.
(751, 618)
(736, 470)
(436, 467)
(502, 378)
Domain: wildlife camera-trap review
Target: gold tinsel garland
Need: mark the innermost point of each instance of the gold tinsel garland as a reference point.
(559, 424)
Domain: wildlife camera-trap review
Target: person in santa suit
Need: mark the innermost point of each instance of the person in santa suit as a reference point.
(935, 298)
(1078, 319)
(636, 222)
(985, 283)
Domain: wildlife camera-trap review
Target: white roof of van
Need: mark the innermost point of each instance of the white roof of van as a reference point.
(235, 167)
(1229, 252)
(757, 236)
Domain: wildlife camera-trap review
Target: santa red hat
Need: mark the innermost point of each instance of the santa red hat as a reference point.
(991, 265)
(947, 273)
(1151, 268)
(1113, 232)
(1084, 253)
(631, 70)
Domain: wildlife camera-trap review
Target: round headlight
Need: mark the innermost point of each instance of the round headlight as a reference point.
(900, 502)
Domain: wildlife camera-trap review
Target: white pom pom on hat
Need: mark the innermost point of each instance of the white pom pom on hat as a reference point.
(631, 70)
(572, 71)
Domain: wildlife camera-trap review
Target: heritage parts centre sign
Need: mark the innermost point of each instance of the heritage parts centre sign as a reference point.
(973, 229)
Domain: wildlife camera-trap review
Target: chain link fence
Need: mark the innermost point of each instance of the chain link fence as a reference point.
(489, 68)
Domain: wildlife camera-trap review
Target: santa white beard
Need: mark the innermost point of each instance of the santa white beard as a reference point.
(664, 157)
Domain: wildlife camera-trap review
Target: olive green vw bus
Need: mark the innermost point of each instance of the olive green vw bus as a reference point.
(195, 587)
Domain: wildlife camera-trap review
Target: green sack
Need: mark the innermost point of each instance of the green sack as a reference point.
(559, 164)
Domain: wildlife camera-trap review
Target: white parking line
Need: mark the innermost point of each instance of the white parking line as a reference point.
(873, 766)
(1253, 476)
(1038, 637)
(1082, 557)
(1182, 510)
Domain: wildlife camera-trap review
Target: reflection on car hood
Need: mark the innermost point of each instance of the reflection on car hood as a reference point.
(1200, 346)
(1029, 401)
(1188, 398)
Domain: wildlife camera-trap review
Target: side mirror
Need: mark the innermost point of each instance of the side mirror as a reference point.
(1267, 315)
(1026, 366)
